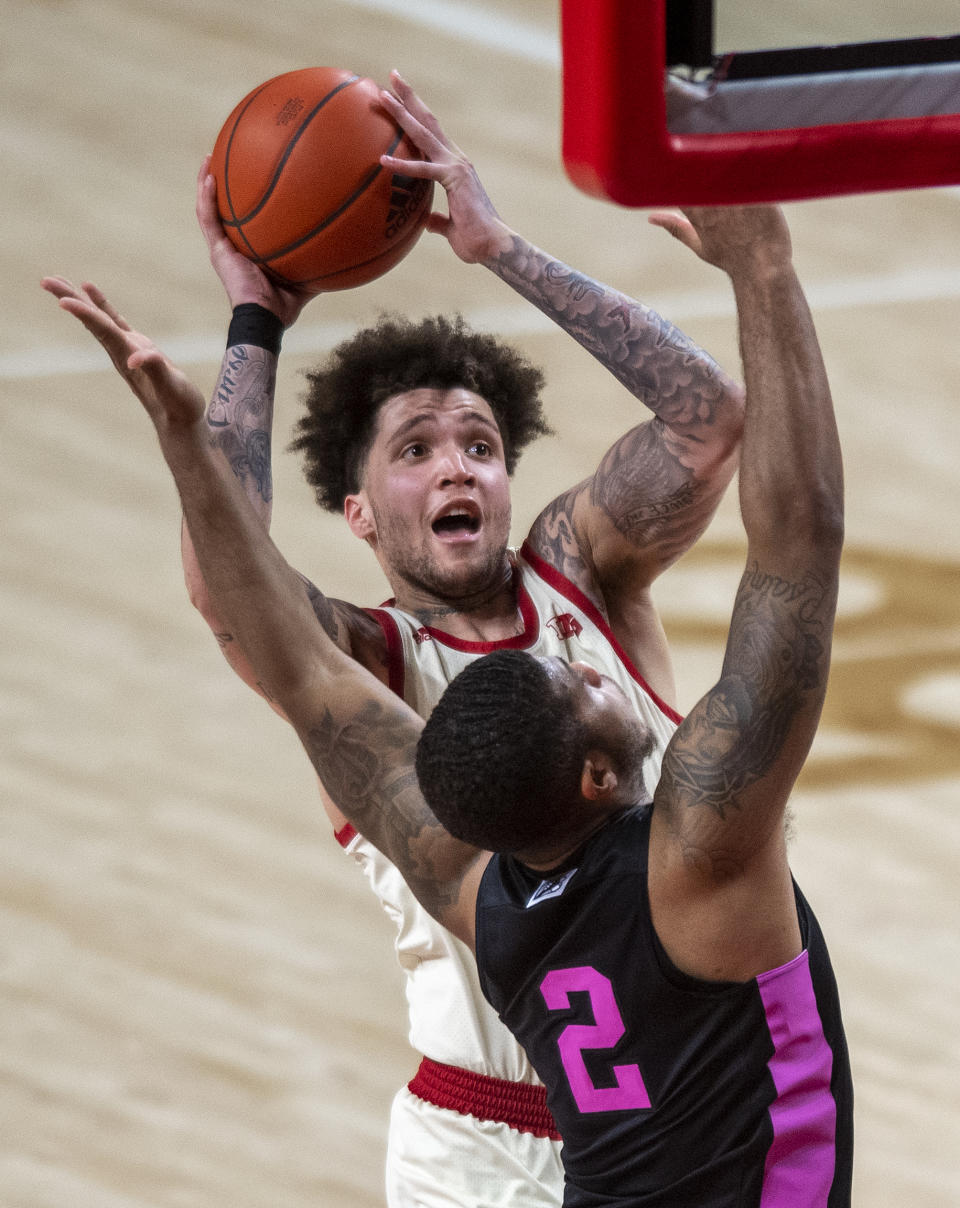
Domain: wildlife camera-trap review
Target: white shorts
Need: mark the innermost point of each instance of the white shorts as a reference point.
(438, 1158)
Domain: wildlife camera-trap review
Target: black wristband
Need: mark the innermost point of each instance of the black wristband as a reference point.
(254, 324)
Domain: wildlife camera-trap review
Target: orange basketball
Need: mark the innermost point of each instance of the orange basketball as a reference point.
(300, 187)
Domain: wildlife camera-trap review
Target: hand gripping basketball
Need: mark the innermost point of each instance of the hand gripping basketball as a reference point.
(301, 190)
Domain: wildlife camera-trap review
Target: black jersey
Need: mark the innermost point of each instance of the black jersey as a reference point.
(668, 1091)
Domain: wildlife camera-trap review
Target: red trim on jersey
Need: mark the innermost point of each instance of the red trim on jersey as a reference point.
(395, 667)
(573, 593)
(530, 633)
(346, 834)
(517, 1104)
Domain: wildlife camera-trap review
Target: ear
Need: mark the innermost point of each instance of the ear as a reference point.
(598, 781)
(359, 515)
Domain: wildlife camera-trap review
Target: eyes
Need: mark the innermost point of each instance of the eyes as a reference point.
(418, 450)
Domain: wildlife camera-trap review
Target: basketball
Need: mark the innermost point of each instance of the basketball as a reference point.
(300, 187)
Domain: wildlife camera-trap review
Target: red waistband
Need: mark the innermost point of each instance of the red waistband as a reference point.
(518, 1104)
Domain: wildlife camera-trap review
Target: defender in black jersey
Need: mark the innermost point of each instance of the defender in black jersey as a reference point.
(654, 957)
(667, 1089)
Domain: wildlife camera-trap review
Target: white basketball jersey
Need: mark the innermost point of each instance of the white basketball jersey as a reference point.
(450, 1021)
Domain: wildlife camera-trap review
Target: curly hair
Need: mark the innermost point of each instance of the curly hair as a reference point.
(344, 395)
(500, 757)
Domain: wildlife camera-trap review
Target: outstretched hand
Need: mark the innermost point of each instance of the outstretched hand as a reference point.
(472, 226)
(733, 238)
(243, 280)
(167, 394)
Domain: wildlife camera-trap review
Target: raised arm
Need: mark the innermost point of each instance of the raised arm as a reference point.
(239, 417)
(359, 735)
(659, 485)
(719, 871)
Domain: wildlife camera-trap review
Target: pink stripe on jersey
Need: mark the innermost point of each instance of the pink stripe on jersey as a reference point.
(800, 1163)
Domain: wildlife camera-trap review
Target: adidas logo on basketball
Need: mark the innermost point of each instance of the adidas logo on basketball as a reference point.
(406, 193)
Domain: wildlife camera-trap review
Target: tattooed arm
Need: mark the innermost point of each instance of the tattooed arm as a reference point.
(361, 738)
(359, 735)
(698, 406)
(720, 884)
(659, 485)
(239, 420)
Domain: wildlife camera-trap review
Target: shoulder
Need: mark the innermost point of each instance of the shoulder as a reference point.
(560, 541)
(357, 631)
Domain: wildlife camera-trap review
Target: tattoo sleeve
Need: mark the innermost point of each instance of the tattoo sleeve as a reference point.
(656, 362)
(644, 488)
(240, 416)
(365, 759)
(760, 717)
(553, 535)
(660, 483)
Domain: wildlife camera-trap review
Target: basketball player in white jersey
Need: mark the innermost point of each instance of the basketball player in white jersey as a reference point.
(422, 476)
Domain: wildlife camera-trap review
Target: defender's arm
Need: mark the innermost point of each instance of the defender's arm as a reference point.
(360, 737)
(719, 874)
(333, 702)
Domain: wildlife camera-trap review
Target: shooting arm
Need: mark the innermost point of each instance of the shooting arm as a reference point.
(659, 486)
(239, 420)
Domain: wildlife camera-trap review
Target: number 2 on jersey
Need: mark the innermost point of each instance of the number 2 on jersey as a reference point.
(629, 1092)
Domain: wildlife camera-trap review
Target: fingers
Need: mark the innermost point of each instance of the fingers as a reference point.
(154, 363)
(422, 169)
(101, 320)
(87, 296)
(208, 215)
(98, 298)
(668, 220)
(165, 391)
(60, 287)
(414, 106)
(94, 319)
(427, 142)
(442, 161)
(677, 225)
(438, 224)
(418, 122)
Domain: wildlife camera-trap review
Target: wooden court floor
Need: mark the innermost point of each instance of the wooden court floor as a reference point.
(199, 1003)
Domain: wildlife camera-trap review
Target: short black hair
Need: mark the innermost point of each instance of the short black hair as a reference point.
(397, 354)
(500, 758)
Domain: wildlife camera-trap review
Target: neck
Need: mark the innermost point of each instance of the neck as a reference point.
(547, 859)
(488, 613)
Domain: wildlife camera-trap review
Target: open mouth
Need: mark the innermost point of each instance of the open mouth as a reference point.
(458, 523)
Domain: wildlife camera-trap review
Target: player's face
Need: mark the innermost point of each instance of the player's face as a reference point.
(435, 499)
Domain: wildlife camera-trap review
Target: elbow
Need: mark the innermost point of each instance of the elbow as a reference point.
(715, 448)
(197, 592)
(199, 597)
(830, 530)
(732, 415)
(820, 521)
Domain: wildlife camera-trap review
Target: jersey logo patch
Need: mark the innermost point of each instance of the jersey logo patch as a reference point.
(422, 635)
(550, 889)
(565, 625)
